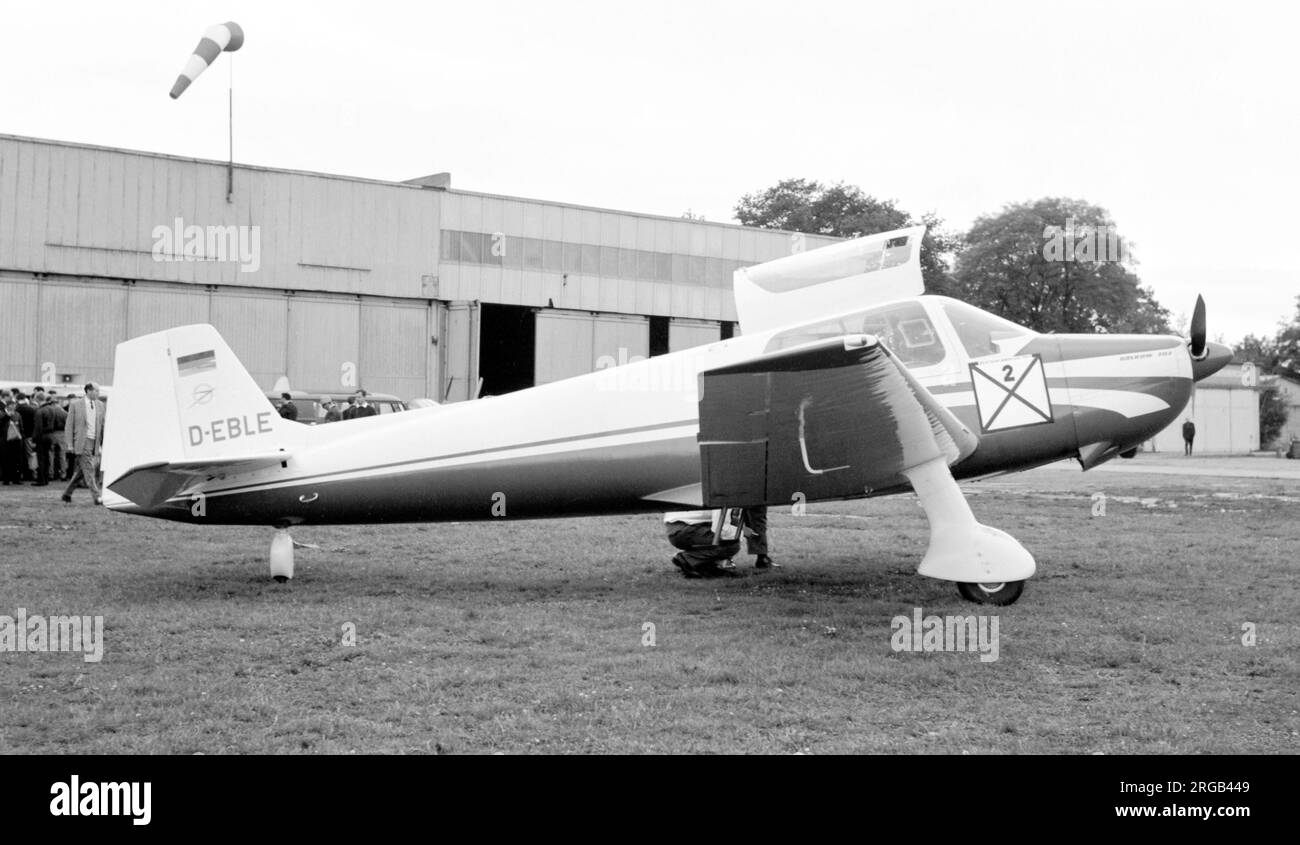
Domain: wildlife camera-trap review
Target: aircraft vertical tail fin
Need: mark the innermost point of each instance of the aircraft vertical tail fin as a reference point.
(182, 402)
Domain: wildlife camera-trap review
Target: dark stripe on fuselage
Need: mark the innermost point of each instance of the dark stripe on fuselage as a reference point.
(213, 491)
(597, 480)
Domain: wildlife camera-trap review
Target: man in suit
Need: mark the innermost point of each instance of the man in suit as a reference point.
(83, 439)
(50, 419)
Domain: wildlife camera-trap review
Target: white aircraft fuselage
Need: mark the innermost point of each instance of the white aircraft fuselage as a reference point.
(624, 440)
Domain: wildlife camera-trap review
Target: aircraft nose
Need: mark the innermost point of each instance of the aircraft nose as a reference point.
(1216, 356)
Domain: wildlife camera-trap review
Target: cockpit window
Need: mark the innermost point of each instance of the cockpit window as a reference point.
(980, 331)
(903, 327)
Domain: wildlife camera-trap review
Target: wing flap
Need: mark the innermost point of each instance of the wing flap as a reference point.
(833, 419)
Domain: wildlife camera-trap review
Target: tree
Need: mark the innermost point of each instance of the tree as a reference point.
(1056, 265)
(846, 211)
(1286, 345)
(1273, 414)
(1260, 351)
(1277, 355)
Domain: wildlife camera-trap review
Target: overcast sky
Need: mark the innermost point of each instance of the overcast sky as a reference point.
(1182, 119)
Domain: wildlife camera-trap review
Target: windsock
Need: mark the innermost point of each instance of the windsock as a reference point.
(223, 36)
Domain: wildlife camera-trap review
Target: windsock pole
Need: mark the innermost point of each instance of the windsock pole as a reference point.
(220, 38)
(230, 126)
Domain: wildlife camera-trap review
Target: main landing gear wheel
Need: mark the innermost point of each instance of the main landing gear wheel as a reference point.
(999, 594)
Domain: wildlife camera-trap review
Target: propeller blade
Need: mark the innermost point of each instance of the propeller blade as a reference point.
(1197, 344)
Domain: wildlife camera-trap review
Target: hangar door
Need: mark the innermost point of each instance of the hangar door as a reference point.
(153, 308)
(81, 327)
(397, 349)
(683, 334)
(572, 343)
(324, 344)
(19, 355)
(254, 326)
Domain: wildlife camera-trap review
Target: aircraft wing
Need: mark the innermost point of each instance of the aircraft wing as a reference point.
(832, 419)
(149, 485)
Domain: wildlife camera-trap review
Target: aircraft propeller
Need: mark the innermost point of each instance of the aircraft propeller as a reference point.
(1197, 343)
(1207, 358)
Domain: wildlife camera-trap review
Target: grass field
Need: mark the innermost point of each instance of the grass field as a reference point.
(528, 637)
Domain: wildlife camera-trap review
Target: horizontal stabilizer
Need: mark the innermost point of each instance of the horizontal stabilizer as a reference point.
(690, 495)
(149, 485)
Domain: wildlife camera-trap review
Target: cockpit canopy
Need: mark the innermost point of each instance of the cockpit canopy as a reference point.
(979, 331)
(908, 329)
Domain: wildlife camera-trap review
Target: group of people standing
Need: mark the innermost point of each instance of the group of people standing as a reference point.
(359, 405)
(45, 437)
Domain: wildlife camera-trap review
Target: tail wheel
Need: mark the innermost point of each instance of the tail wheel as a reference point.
(1000, 594)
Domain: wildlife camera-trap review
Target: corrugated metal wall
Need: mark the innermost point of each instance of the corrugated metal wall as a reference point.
(683, 334)
(152, 308)
(254, 325)
(87, 211)
(397, 350)
(571, 343)
(622, 339)
(324, 344)
(527, 252)
(458, 343)
(563, 344)
(320, 343)
(19, 346)
(80, 326)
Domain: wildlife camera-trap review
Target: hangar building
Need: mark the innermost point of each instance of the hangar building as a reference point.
(1225, 410)
(1288, 385)
(411, 288)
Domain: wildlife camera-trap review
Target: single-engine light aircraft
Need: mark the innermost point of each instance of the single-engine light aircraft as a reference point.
(846, 382)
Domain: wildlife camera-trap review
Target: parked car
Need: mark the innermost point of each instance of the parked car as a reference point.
(311, 407)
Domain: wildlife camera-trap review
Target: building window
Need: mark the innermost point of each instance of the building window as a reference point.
(513, 252)
(471, 247)
(450, 245)
(573, 258)
(695, 269)
(627, 263)
(609, 261)
(663, 267)
(553, 256)
(715, 273)
(532, 254)
(514, 257)
(679, 268)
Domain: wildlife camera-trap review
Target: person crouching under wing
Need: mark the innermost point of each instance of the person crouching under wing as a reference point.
(708, 539)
